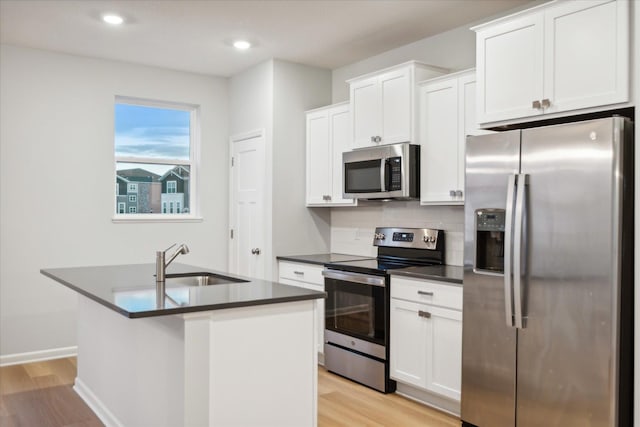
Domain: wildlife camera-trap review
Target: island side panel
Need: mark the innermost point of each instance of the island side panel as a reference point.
(262, 367)
(130, 371)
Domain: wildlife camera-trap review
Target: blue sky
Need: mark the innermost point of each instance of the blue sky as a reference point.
(151, 132)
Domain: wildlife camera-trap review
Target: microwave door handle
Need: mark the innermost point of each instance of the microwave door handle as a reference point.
(383, 175)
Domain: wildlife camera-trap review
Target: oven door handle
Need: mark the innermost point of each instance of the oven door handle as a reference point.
(364, 279)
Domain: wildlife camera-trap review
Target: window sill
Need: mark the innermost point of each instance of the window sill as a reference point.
(144, 218)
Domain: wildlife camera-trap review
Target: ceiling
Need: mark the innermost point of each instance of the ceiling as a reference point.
(195, 35)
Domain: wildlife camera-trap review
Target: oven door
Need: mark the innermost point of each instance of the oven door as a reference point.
(355, 305)
(365, 178)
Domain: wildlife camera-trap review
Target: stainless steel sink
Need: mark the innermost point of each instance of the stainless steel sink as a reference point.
(199, 279)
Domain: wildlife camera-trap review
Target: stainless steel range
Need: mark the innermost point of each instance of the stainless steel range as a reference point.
(357, 307)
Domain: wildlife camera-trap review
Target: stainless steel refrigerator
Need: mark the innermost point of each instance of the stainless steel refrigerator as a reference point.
(548, 287)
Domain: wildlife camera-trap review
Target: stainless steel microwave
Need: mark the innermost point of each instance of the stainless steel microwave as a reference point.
(383, 172)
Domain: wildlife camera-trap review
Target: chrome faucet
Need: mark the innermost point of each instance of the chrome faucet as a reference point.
(161, 264)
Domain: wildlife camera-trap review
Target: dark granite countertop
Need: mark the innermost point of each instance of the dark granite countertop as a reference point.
(321, 259)
(443, 273)
(131, 289)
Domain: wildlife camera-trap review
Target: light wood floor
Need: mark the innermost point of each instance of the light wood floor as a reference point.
(40, 395)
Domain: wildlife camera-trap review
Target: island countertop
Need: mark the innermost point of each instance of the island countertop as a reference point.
(131, 289)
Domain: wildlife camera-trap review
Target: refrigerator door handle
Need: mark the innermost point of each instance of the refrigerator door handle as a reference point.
(523, 181)
(508, 227)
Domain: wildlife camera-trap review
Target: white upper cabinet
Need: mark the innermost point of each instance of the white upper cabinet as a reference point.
(328, 135)
(384, 104)
(447, 116)
(552, 60)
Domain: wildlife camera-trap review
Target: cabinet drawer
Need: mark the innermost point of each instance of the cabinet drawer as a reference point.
(427, 292)
(309, 273)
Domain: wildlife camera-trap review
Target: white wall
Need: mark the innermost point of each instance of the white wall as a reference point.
(274, 96)
(57, 183)
(453, 50)
(296, 229)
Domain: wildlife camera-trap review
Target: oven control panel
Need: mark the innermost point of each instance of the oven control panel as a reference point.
(421, 238)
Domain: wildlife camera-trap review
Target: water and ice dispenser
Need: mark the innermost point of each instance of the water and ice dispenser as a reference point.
(489, 240)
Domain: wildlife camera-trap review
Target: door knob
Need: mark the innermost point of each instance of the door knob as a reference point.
(255, 251)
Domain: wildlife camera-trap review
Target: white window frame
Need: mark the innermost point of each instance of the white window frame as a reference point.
(174, 187)
(133, 198)
(121, 207)
(193, 212)
(132, 188)
(133, 209)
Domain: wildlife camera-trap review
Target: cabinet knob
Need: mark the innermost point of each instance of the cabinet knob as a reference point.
(452, 193)
(536, 105)
(376, 139)
(424, 314)
(546, 103)
(328, 198)
(458, 193)
(255, 251)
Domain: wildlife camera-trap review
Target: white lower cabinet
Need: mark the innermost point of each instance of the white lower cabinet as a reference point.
(308, 276)
(426, 335)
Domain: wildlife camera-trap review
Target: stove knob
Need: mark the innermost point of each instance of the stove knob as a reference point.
(379, 236)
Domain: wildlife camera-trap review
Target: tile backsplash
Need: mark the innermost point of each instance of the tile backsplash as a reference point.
(352, 228)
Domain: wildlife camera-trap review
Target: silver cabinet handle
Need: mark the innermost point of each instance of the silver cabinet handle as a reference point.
(536, 105)
(546, 103)
(458, 193)
(328, 197)
(376, 139)
(517, 250)
(373, 139)
(424, 314)
(255, 251)
(452, 193)
(299, 273)
(427, 293)
(508, 227)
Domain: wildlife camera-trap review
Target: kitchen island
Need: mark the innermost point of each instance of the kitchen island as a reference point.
(237, 353)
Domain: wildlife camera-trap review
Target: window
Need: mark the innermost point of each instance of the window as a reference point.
(121, 207)
(155, 146)
(132, 209)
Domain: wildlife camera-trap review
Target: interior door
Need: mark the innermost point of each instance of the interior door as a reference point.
(567, 350)
(247, 215)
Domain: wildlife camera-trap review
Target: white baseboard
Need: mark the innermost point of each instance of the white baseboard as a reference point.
(433, 400)
(37, 356)
(96, 404)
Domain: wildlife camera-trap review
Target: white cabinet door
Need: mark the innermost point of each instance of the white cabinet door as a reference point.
(409, 343)
(567, 56)
(444, 356)
(365, 104)
(396, 106)
(426, 347)
(440, 141)
(586, 54)
(340, 135)
(509, 68)
(318, 158)
(328, 135)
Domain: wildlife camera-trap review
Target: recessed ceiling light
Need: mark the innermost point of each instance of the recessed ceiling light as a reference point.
(241, 44)
(112, 19)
